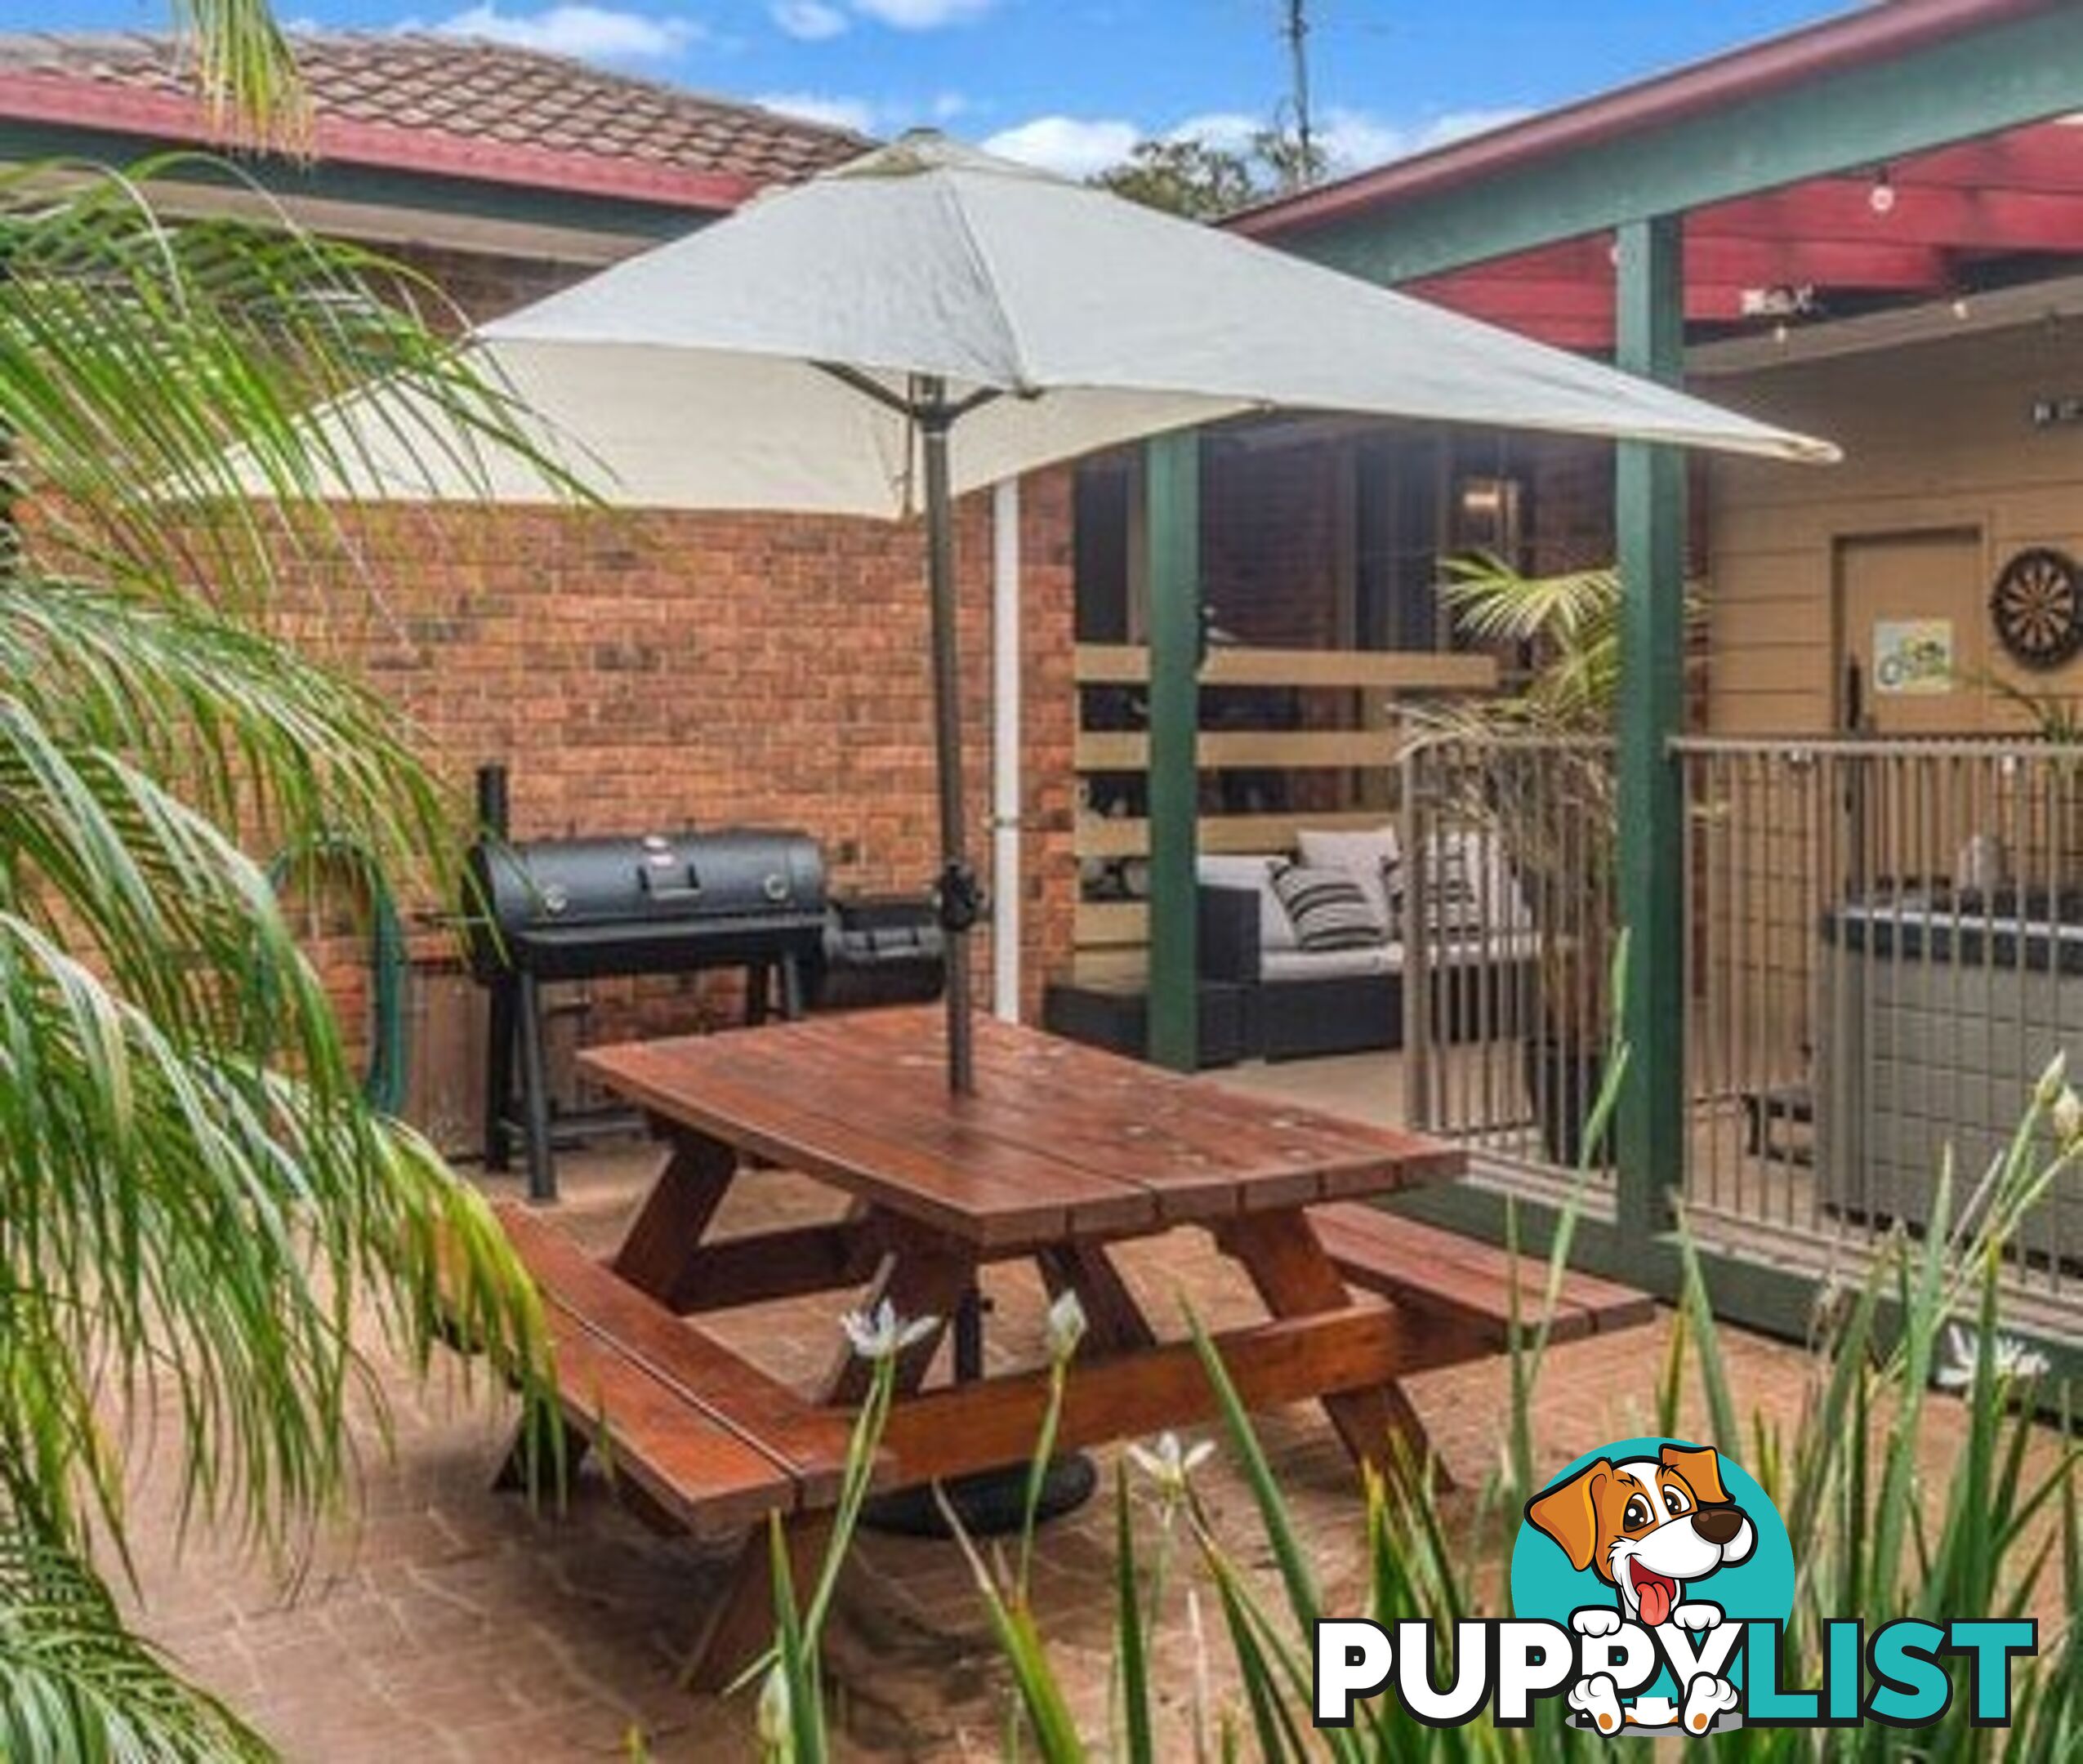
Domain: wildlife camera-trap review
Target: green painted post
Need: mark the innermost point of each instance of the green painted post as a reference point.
(1649, 520)
(1171, 490)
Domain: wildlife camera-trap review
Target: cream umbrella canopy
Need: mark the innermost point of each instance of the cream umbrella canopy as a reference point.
(929, 319)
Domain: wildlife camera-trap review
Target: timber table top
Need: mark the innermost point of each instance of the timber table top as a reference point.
(1060, 1141)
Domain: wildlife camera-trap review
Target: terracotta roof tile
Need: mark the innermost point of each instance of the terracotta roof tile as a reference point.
(468, 90)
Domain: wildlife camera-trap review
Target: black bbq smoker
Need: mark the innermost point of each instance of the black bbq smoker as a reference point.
(607, 905)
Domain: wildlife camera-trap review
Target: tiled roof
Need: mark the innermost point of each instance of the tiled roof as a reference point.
(417, 101)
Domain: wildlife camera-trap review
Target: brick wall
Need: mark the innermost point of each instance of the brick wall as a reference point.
(654, 670)
(1270, 543)
(658, 670)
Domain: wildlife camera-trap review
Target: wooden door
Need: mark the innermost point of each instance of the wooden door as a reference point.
(1912, 633)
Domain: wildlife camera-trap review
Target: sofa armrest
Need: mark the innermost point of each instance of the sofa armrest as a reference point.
(1229, 934)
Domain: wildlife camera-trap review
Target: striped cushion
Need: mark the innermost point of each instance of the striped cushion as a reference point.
(1329, 909)
(1453, 903)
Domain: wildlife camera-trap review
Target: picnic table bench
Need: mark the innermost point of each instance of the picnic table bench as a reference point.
(1062, 1153)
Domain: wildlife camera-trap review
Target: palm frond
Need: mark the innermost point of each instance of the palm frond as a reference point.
(1570, 622)
(75, 1684)
(197, 1210)
(158, 378)
(232, 720)
(246, 70)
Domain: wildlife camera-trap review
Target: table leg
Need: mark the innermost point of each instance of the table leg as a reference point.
(1294, 1278)
(921, 1276)
(668, 1228)
(740, 1625)
(1116, 1321)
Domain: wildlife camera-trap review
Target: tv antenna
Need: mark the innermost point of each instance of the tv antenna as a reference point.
(1295, 28)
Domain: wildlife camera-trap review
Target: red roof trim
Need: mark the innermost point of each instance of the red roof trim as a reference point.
(1874, 33)
(94, 104)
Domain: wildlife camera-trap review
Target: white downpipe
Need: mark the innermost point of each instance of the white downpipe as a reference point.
(1004, 752)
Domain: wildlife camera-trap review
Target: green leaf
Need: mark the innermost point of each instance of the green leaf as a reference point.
(1295, 1573)
(75, 1684)
(1129, 1647)
(1041, 1699)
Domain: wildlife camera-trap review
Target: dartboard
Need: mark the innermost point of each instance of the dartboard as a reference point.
(2037, 605)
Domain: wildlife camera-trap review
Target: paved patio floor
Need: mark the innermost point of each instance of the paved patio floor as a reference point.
(443, 1621)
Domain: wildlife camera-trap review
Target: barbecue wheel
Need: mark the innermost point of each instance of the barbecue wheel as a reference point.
(2037, 606)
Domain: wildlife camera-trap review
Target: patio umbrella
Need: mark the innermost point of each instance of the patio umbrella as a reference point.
(929, 319)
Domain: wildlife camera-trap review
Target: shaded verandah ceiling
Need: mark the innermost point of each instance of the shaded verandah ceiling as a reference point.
(1944, 225)
(1919, 152)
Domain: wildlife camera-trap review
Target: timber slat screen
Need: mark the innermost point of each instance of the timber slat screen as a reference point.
(1330, 765)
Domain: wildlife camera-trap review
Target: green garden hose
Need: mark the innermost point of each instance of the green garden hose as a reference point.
(389, 961)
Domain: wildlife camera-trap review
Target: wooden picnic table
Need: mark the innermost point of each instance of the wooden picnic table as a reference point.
(1063, 1152)
(1061, 1155)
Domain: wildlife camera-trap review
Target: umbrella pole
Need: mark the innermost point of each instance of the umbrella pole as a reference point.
(960, 899)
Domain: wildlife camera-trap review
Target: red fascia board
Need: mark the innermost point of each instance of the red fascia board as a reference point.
(2046, 159)
(1513, 302)
(1714, 258)
(1840, 209)
(163, 117)
(1872, 33)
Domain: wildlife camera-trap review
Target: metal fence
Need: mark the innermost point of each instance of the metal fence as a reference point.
(1508, 852)
(1883, 948)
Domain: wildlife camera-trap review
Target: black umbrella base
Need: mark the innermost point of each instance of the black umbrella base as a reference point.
(989, 1502)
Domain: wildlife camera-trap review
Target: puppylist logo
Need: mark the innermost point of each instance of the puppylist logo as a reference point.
(1653, 1580)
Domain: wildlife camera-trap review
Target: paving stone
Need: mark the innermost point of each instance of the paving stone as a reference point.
(453, 1623)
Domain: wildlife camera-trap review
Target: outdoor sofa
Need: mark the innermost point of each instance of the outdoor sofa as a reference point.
(1346, 994)
(1264, 993)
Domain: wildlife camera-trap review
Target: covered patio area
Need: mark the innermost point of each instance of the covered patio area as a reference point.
(1871, 228)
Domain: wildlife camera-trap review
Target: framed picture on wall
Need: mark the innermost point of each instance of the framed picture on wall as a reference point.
(1913, 657)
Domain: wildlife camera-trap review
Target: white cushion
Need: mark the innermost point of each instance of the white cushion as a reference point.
(1329, 908)
(1327, 964)
(1497, 949)
(1501, 950)
(1363, 855)
(1469, 889)
(1276, 929)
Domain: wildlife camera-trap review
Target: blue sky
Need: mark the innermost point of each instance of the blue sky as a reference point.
(1072, 83)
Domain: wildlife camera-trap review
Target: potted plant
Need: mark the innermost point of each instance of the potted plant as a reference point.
(1532, 767)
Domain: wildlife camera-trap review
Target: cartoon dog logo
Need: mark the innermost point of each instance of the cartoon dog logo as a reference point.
(1652, 1529)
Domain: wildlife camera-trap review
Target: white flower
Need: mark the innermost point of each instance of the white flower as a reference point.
(773, 1720)
(1066, 1327)
(2068, 1116)
(1171, 1463)
(2010, 1358)
(881, 1334)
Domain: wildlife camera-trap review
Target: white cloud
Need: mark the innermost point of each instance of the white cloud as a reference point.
(1353, 139)
(1458, 125)
(829, 108)
(1074, 146)
(808, 20)
(591, 33)
(1231, 130)
(923, 15)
